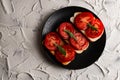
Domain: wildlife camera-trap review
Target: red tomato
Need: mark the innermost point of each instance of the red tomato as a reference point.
(70, 54)
(80, 43)
(82, 19)
(95, 33)
(65, 26)
(51, 39)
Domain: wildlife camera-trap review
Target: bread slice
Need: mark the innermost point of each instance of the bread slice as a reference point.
(91, 39)
(67, 41)
(66, 63)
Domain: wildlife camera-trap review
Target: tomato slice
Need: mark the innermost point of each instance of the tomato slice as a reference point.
(51, 39)
(65, 26)
(82, 19)
(80, 43)
(70, 54)
(95, 33)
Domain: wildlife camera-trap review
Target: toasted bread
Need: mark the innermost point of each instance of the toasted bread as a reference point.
(91, 39)
(66, 63)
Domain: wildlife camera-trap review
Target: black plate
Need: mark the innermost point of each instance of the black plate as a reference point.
(81, 60)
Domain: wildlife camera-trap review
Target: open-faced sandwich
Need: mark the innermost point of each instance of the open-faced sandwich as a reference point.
(73, 37)
(90, 26)
(51, 41)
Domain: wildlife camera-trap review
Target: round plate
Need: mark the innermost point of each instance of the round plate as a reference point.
(83, 60)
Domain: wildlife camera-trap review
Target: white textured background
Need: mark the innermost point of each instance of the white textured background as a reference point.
(20, 21)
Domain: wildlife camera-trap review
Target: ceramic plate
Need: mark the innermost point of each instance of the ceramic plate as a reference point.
(83, 60)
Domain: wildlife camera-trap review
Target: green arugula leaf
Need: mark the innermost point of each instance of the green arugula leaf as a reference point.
(92, 27)
(61, 49)
(70, 34)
